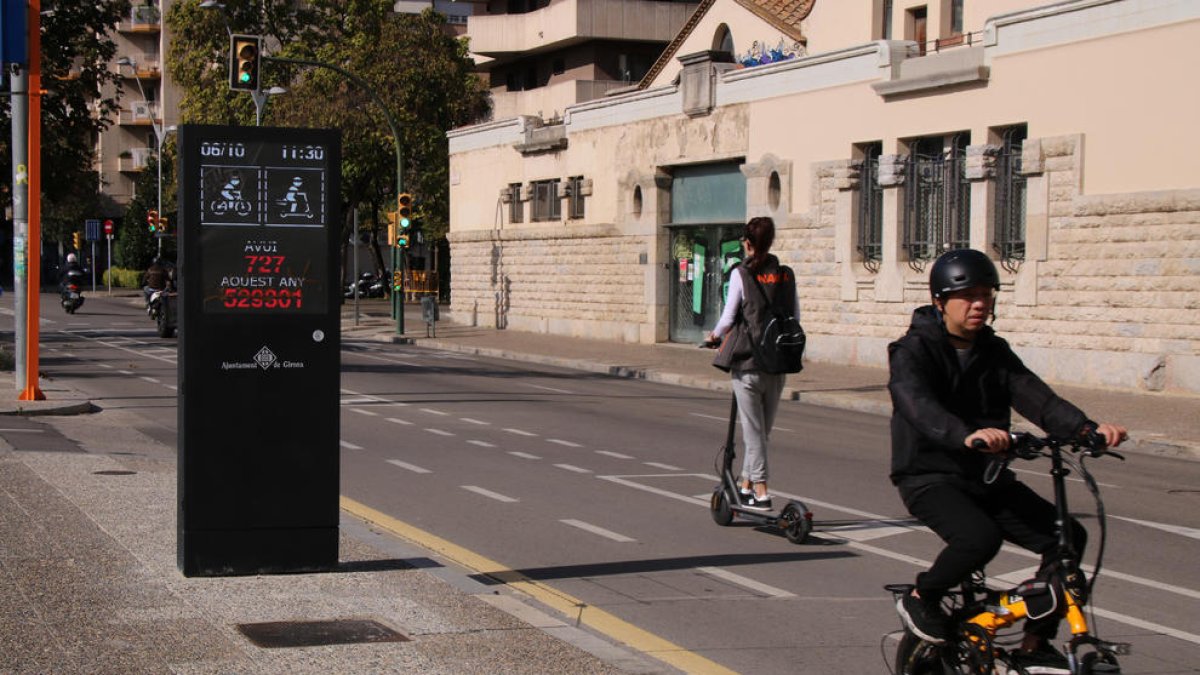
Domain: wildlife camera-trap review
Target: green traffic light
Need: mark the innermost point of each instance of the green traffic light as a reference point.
(245, 77)
(405, 222)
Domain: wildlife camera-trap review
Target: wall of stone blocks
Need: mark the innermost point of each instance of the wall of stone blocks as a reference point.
(1113, 299)
(582, 281)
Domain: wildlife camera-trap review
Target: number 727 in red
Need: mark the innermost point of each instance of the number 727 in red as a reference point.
(263, 264)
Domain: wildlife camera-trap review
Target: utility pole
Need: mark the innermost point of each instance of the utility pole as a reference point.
(20, 188)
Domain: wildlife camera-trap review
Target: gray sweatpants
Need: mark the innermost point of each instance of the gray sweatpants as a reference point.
(758, 399)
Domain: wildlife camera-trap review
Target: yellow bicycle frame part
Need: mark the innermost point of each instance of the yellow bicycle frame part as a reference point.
(1012, 609)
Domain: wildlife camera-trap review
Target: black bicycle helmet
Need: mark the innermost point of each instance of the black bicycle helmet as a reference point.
(962, 268)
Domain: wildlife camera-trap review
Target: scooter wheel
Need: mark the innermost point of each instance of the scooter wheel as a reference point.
(722, 512)
(796, 522)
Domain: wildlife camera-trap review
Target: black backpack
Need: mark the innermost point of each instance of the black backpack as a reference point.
(778, 343)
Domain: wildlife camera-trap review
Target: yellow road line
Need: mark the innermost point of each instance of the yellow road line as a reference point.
(597, 619)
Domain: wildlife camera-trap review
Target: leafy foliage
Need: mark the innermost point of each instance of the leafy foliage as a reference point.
(76, 52)
(421, 74)
(136, 246)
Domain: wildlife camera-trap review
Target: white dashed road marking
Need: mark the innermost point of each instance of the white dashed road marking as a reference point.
(594, 529)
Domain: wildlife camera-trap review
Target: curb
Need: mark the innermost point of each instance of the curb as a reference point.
(1158, 447)
(42, 408)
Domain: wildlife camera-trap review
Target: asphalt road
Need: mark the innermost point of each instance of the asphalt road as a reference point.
(598, 488)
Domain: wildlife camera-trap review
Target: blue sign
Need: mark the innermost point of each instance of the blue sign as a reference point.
(91, 229)
(14, 35)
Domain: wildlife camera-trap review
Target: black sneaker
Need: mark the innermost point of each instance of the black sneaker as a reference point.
(926, 620)
(1045, 660)
(757, 503)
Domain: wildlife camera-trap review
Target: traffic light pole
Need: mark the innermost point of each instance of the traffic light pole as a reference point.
(395, 139)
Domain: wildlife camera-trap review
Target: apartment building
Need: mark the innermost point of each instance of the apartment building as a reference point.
(1059, 137)
(148, 103)
(540, 56)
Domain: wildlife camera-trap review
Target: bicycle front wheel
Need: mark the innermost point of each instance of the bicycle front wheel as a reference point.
(915, 656)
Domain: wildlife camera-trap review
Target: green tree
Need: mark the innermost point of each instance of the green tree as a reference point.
(136, 246)
(77, 49)
(423, 75)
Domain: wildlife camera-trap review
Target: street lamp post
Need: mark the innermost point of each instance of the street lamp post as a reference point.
(159, 134)
(260, 102)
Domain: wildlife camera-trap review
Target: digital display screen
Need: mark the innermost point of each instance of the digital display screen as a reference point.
(264, 210)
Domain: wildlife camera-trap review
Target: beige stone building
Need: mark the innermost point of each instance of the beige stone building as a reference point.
(1058, 137)
(149, 102)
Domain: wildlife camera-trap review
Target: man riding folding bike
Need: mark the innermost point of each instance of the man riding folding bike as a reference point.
(954, 384)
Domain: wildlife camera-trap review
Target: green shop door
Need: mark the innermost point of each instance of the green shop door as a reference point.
(701, 260)
(708, 210)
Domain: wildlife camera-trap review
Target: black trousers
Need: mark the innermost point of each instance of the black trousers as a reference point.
(975, 522)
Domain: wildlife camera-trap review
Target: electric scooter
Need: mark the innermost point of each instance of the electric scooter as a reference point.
(794, 518)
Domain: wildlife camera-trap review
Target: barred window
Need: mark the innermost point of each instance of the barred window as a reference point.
(575, 207)
(937, 197)
(546, 204)
(1009, 207)
(870, 207)
(516, 207)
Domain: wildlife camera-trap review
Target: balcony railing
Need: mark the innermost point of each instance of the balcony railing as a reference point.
(145, 66)
(135, 159)
(142, 19)
(141, 113)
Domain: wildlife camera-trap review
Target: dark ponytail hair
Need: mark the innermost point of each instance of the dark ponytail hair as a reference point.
(760, 232)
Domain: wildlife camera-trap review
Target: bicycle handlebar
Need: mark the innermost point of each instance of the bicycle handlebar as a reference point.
(1024, 445)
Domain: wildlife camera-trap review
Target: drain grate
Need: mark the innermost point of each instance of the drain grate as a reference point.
(277, 634)
(114, 472)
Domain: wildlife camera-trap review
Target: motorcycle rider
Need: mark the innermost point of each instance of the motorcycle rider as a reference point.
(154, 279)
(71, 271)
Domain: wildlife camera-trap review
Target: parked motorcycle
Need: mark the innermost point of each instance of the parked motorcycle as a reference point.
(71, 291)
(369, 286)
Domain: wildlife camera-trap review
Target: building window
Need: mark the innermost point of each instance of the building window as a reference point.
(1009, 207)
(916, 27)
(870, 207)
(937, 197)
(723, 40)
(956, 17)
(884, 17)
(546, 205)
(575, 208)
(516, 207)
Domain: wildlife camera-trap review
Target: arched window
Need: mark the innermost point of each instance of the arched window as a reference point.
(723, 40)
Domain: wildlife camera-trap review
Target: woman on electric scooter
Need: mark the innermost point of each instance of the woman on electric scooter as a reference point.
(954, 382)
(757, 392)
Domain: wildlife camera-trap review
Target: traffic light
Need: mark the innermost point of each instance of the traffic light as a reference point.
(404, 210)
(152, 220)
(78, 236)
(162, 225)
(244, 62)
(402, 240)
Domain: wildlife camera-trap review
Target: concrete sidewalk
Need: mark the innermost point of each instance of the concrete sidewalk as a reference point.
(1160, 424)
(90, 583)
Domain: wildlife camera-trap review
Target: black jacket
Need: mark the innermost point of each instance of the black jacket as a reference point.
(936, 403)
